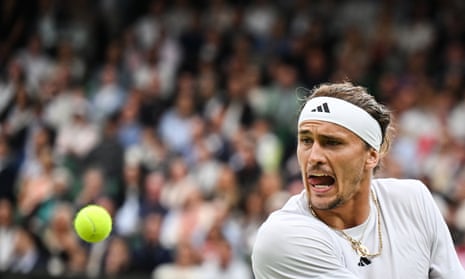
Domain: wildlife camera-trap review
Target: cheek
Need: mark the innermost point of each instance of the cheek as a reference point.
(299, 154)
(352, 169)
(302, 157)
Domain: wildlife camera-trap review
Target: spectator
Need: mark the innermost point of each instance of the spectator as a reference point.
(68, 58)
(269, 151)
(75, 140)
(186, 265)
(189, 222)
(179, 185)
(117, 259)
(147, 27)
(259, 18)
(150, 199)
(129, 128)
(150, 152)
(109, 95)
(244, 162)
(161, 63)
(13, 80)
(454, 126)
(39, 137)
(271, 188)
(15, 125)
(227, 191)
(203, 165)
(67, 256)
(108, 155)
(93, 187)
(127, 222)
(237, 114)
(61, 100)
(35, 62)
(176, 124)
(153, 104)
(281, 100)
(8, 234)
(9, 169)
(226, 265)
(148, 252)
(27, 256)
(253, 216)
(36, 189)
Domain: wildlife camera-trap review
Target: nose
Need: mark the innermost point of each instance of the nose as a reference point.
(315, 154)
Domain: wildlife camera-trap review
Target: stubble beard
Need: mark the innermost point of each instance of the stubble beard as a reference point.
(340, 198)
(338, 201)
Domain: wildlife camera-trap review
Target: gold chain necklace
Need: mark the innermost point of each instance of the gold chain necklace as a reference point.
(357, 245)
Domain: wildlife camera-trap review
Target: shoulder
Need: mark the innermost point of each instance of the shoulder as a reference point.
(400, 189)
(292, 220)
(290, 243)
(404, 196)
(283, 224)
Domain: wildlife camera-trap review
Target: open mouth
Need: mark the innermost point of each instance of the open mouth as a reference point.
(321, 181)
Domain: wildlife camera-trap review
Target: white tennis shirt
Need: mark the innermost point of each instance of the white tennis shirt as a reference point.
(292, 243)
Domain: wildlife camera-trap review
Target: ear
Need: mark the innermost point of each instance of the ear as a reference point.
(372, 159)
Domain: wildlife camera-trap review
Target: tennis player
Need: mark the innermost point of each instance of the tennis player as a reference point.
(346, 223)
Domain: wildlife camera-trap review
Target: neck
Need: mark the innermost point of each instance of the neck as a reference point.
(352, 213)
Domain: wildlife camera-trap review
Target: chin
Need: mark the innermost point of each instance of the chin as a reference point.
(325, 203)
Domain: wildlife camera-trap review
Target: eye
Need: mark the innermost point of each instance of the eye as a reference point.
(332, 142)
(306, 141)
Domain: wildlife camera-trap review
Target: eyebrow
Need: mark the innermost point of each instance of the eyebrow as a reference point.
(326, 137)
(337, 136)
(304, 132)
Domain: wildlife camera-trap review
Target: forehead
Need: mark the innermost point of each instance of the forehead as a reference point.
(324, 128)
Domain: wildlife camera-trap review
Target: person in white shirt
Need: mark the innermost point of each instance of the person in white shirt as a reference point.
(346, 223)
(225, 264)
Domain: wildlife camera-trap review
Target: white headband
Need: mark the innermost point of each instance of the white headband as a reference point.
(345, 114)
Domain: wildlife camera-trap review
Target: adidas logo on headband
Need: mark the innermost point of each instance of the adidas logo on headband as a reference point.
(322, 108)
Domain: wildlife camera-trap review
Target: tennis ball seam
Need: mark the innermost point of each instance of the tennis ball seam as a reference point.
(94, 229)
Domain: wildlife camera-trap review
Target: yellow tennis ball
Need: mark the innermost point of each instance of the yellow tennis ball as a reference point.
(93, 223)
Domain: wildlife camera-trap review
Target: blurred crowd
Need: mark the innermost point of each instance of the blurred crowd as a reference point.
(179, 117)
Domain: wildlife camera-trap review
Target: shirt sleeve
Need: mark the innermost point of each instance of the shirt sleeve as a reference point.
(289, 247)
(444, 259)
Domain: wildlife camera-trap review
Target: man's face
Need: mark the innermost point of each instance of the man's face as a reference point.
(335, 163)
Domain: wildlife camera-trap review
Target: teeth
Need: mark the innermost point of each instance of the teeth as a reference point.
(319, 174)
(320, 186)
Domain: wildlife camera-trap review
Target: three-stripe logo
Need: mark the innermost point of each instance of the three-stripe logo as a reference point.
(322, 108)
